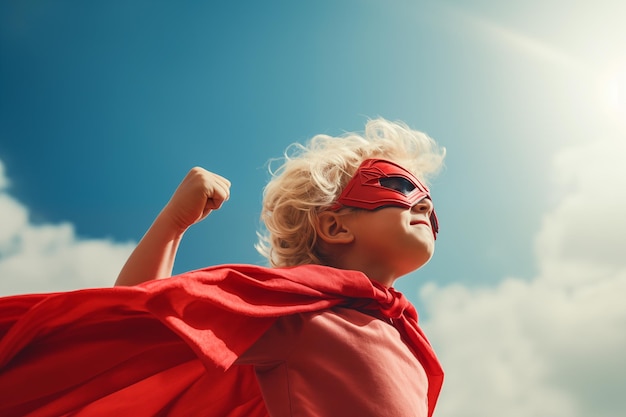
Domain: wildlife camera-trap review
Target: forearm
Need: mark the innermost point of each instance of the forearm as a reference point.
(154, 256)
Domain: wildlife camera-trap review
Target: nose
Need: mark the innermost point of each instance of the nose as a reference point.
(425, 205)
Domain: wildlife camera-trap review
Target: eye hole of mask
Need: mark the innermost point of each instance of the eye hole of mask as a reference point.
(397, 183)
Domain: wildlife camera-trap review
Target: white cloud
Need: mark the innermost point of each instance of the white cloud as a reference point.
(554, 345)
(50, 257)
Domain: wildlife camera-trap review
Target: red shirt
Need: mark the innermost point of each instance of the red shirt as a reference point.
(337, 362)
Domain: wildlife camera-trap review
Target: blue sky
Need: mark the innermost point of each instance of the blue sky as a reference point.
(104, 106)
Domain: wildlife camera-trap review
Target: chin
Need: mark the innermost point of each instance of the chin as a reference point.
(422, 260)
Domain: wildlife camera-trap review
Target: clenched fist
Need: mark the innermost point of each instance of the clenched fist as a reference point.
(198, 194)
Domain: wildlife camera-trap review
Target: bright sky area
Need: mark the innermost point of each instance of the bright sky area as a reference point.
(104, 106)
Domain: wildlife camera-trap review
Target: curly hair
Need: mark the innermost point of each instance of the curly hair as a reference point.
(313, 175)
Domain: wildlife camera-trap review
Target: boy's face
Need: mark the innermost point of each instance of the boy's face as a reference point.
(396, 230)
(392, 241)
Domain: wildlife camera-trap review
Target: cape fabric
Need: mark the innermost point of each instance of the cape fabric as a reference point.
(165, 347)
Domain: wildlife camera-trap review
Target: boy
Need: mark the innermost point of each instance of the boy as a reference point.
(321, 334)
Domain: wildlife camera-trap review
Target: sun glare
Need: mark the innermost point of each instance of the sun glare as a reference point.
(616, 92)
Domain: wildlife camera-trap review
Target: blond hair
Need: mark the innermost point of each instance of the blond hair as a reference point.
(312, 177)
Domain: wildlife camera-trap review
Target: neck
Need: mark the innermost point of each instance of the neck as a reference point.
(372, 270)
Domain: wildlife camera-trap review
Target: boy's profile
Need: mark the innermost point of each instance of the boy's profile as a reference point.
(321, 333)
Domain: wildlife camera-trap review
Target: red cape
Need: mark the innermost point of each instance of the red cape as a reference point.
(165, 348)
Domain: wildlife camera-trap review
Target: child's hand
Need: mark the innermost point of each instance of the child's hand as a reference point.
(198, 194)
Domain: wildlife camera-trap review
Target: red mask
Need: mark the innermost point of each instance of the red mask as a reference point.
(380, 183)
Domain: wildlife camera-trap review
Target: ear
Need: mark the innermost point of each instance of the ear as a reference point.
(331, 228)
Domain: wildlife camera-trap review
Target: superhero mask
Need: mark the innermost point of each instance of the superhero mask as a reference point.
(380, 183)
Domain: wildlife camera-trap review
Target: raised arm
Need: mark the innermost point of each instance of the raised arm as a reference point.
(198, 194)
